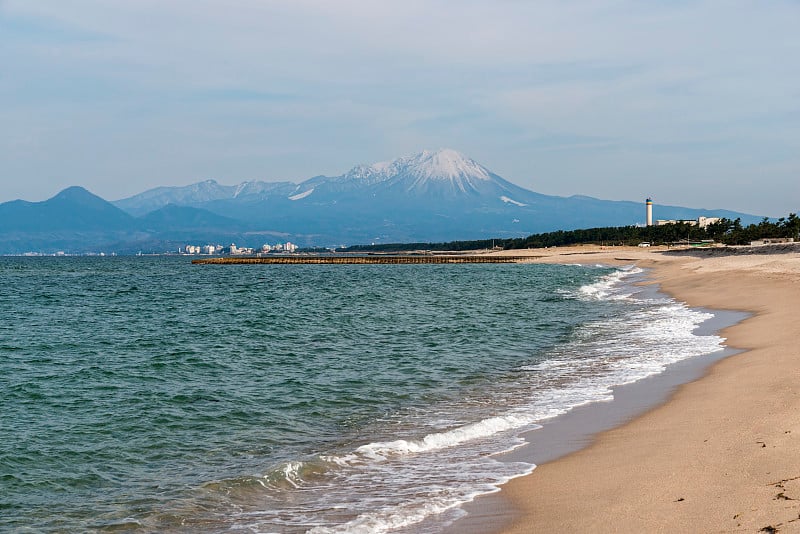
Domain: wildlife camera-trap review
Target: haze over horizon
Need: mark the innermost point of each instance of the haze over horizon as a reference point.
(692, 103)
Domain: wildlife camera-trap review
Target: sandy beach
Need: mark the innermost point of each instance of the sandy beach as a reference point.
(723, 453)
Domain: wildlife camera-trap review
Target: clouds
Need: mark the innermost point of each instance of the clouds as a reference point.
(617, 99)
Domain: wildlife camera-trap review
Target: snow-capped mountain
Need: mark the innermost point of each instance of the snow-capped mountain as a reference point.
(444, 176)
(439, 195)
(445, 165)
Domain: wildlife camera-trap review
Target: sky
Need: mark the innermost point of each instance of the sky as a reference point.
(693, 103)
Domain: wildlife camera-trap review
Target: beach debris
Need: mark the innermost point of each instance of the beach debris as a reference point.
(769, 529)
(679, 499)
(783, 497)
(780, 483)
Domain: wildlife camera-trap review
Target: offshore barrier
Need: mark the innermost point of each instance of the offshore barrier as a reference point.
(367, 260)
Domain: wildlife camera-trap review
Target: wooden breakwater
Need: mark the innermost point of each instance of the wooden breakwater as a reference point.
(353, 260)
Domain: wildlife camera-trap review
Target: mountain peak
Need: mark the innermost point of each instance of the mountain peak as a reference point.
(78, 196)
(444, 164)
(73, 192)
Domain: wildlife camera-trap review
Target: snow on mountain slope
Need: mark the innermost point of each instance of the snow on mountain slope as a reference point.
(302, 195)
(445, 165)
(443, 174)
(259, 189)
(512, 201)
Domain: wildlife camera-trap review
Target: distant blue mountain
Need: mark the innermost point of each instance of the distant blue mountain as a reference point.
(430, 196)
(73, 220)
(202, 193)
(174, 218)
(73, 209)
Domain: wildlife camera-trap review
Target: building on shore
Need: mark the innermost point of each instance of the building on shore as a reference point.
(700, 222)
(703, 222)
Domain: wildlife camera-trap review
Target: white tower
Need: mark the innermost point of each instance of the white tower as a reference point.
(649, 211)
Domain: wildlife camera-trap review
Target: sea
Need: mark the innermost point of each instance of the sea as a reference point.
(148, 394)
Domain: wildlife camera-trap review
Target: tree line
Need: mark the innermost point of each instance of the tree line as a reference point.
(726, 231)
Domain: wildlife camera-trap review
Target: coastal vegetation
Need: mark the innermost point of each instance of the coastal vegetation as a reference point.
(725, 231)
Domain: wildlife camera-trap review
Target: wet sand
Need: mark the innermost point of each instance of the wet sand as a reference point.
(722, 454)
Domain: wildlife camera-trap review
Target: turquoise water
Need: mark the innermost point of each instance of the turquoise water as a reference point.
(149, 394)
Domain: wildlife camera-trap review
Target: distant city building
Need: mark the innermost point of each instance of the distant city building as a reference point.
(701, 221)
(243, 251)
(278, 247)
(664, 222)
(235, 250)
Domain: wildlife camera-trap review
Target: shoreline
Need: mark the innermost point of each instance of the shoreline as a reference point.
(577, 429)
(718, 452)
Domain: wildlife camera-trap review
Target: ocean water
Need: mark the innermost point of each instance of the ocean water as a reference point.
(151, 395)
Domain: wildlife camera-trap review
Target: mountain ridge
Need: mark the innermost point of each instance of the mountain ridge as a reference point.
(431, 196)
(413, 173)
(74, 208)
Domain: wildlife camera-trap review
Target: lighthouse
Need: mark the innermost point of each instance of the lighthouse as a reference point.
(649, 211)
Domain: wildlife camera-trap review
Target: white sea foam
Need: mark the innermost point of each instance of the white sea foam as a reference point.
(610, 287)
(410, 480)
(380, 451)
(291, 472)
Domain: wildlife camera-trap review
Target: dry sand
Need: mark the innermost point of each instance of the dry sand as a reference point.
(723, 454)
